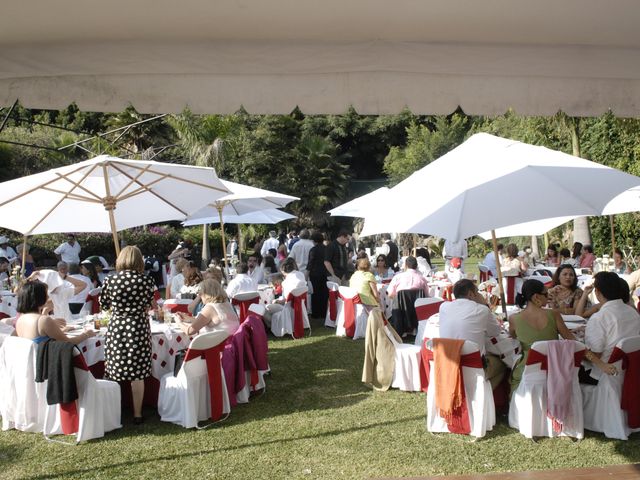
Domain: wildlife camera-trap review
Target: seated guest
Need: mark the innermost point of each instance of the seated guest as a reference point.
(614, 321)
(576, 254)
(293, 278)
(363, 282)
(424, 261)
(619, 265)
(490, 260)
(77, 301)
(565, 258)
(534, 324)
(380, 270)
(242, 282)
(269, 266)
(587, 258)
(468, 318)
(454, 270)
(35, 322)
(565, 294)
(551, 259)
(102, 266)
(5, 272)
(192, 280)
(177, 281)
(89, 270)
(61, 288)
(512, 265)
(409, 279)
(217, 312)
(254, 270)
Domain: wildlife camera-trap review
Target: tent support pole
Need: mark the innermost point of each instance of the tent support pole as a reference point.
(503, 300)
(613, 236)
(24, 253)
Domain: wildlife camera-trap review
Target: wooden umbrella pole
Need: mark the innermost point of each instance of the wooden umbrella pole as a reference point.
(503, 300)
(224, 243)
(24, 253)
(240, 242)
(109, 203)
(613, 236)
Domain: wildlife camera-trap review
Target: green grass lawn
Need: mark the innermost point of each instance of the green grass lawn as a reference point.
(316, 420)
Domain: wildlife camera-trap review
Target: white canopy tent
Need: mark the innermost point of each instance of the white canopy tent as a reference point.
(580, 56)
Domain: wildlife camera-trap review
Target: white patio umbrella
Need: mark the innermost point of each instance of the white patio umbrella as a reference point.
(243, 199)
(526, 229)
(490, 182)
(266, 217)
(105, 194)
(361, 206)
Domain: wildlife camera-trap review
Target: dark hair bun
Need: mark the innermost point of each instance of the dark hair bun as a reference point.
(520, 300)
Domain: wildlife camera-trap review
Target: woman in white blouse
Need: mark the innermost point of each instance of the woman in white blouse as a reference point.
(216, 314)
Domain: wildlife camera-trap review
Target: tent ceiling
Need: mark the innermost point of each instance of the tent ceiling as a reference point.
(581, 56)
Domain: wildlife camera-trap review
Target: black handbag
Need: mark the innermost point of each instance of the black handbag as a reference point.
(179, 360)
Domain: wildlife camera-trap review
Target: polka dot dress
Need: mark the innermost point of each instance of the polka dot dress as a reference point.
(128, 346)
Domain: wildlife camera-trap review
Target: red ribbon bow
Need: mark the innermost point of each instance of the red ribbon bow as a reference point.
(349, 307)
(214, 374)
(244, 306)
(631, 384)
(298, 319)
(423, 312)
(333, 305)
(69, 416)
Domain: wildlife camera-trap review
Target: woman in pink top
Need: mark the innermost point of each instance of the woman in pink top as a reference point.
(587, 258)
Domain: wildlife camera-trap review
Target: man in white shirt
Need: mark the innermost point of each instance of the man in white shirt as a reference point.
(242, 282)
(78, 300)
(69, 251)
(6, 251)
(256, 272)
(455, 249)
(300, 250)
(614, 321)
(269, 243)
(468, 318)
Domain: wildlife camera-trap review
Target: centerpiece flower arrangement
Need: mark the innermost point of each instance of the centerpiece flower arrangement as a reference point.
(101, 319)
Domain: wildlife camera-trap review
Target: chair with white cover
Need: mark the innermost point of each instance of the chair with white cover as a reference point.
(529, 411)
(23, 404)
(242, 302)
(352, 315)
(476, 413)
(485, 272)
(611, 407)
(406, 373)
(425, 309)
(293, 318)
(333, 305)
(95, 412)
(199, 391)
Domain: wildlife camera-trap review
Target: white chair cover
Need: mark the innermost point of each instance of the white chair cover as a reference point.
(601, 402)
(406, 374)
(98, 407)
(361, 315)
(185, 399)
(332, 287)
(423, 316)
(282, 321)
(23, 402)
(479, 396)
(528, 408)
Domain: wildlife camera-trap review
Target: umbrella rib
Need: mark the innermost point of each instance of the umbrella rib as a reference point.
(72, 196)
(66, 195)
(180, 179)
(133, 180)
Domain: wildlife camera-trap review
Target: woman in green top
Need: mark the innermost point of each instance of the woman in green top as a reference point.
(363, 282)
(534, 324)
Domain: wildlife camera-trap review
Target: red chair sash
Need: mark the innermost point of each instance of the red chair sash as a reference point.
(95, 303)
(460, 420)
(484, 276)
(214, 374)
(447, 293)
(631, 384)
(333, 305)
(298, 319)
(349, 308)
(244, 306)
(423, 312)
(537, 357)
(511, 290)
(69, 416)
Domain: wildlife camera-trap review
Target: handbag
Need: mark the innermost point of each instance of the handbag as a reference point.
(179, 360)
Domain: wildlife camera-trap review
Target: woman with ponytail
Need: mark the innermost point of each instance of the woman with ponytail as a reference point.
(534, 323)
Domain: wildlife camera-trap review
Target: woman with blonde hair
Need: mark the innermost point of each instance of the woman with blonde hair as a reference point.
(363, 282)
(216, 314)
(129, 295)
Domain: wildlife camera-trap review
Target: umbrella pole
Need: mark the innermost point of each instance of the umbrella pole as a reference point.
(613, 236)
(224, 243)
(240, 242)
(114, 232)
(109, 203)
(503, 300)
(24, 253)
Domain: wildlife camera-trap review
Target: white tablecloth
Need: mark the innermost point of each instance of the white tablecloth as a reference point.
(9, 302)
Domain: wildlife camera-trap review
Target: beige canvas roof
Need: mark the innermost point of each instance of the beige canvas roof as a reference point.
(581, 56)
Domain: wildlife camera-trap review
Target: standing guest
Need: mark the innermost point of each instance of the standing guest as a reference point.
(6, 251)
(62, 288)
(534, 324)
(336, 257)
(68, 251)
(281, 253)
(300, 249)
(410, 279)
(255, 271)
(182, 250)
(551, 259)
(78, 300)
(293, 239)
(232, 247)
(271, 242)
(380, 270)
(242, 282)
(216, 313)
(317, 273)
(614, 321)
(565, 294)
(576, 254)
(390, 250)
(29, 266)
(490, 260)
(619, 265)
(468, 318)
(363, 282)
(453, 271)
(453, 249)
(129, 295)
(587, 258)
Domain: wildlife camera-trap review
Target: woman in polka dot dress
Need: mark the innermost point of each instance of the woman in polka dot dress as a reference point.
(129, 294)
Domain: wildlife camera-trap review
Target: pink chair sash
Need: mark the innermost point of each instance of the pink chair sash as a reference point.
(244, 306)
(298, 319)
(333, 305)
(423, 312)
(460, 420)
(259, 341)
(631, 385)
(214, 374)
(349, 307)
